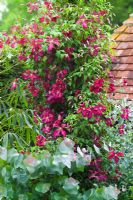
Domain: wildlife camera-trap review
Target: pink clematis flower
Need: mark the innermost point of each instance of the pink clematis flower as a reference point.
(40, 140)
(14, 84)
(60, 131)
(52, 42)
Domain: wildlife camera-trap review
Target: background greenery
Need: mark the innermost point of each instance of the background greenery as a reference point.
(121, 9)
(17, 12)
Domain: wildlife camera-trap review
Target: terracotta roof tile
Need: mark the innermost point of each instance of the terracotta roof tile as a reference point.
(124, 38)
(124, 90)
(123, 74)
(129, 21)
(121, 29)
(125, 60)
(129, 30)
(124, 45)
(114, 45)
(123, 66)
(119, 82)
(125, 52)
(118, 96)
(114, 36)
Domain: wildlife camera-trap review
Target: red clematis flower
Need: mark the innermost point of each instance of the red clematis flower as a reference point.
(1, 44)
(115, 156)
(97, 86)
(125, 114)
(111, 87)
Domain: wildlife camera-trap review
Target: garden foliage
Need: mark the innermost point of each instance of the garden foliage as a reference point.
(53, 87)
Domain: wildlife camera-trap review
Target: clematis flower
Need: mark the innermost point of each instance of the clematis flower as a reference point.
(54, 19)
(34, 91)
(77, 92)
(60, 131)
(22, 57)
(52, 42)
(30, 74)
(115, 156)
(124, 82)
(8, 41)
(98, 109)
(47, 116)
(40, 140)
(67, 34)
(1, 44)
(83, 21)
(62, 74)
(46, 129)
(22, 41)
(33, 6)
(100, 176)
(41, 19)
(14, 84)
(122, 129)
(48, 5)
(111, 87)
(96, 140)
(97, 86)
(68, 51)
(108, 122)
(125, 114)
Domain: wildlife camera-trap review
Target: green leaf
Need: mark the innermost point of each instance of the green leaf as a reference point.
(42, 187)
(3, 192)
(27, 120)
(58, 196)
(5, 140)
(66, 146)
(105, 147)
(31, 163)
(22, 197)
(3, 153)
(71, 186)
(96, 149)
(111, 192)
